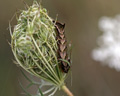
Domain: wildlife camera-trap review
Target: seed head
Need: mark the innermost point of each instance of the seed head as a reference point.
(34, 45)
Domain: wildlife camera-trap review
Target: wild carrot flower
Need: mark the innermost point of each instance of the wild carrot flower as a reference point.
(35, 47)
(108, 51)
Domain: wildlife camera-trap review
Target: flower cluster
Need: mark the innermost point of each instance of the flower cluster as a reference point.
(108, 51)
(34, 45)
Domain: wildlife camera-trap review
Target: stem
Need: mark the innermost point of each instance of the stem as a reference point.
(67, 91)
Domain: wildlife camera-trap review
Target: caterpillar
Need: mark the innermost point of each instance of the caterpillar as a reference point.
(62, 47)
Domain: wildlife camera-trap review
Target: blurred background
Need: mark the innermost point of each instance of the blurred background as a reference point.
(89, 78)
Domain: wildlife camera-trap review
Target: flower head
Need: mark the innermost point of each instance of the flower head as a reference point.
(108, 51)
(35, 47)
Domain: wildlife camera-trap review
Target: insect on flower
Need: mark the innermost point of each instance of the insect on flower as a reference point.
(62, 47)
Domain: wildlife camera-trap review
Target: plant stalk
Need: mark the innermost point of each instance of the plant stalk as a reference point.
(67, 91)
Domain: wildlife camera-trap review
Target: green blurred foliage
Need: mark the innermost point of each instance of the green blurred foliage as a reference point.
(89, 78)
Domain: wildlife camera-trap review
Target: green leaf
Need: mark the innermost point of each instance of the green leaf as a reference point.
(41, 92)
(26, 76)
(28, 94)
(29, 85)
(65, 61)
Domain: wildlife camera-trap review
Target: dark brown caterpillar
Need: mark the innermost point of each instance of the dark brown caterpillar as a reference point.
(62, 47)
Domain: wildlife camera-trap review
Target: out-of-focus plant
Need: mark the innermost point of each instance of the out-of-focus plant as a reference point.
(108, 51)
(34, 45)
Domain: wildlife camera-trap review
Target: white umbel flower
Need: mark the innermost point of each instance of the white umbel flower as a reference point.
(108, 51)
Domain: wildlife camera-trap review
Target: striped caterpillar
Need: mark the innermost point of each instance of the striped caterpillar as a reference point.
(62, 47)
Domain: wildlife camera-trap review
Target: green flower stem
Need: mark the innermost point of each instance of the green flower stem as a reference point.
(45, 72)
(46, 15)
(67, 91)
(44, 58)
(56, 61)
